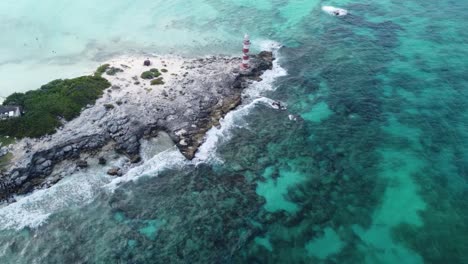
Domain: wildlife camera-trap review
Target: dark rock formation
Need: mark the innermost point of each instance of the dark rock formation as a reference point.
(19, 180)
(115, 172)
(102, 161)
(82, 164)
(185, 118)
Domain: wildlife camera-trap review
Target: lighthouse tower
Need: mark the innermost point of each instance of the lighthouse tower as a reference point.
(245, 50)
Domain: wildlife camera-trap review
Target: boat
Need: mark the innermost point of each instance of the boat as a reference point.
(335, 11)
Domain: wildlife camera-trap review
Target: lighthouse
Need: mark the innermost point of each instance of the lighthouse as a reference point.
(245, 50)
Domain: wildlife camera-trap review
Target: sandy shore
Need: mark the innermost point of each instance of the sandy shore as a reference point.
(133, 66)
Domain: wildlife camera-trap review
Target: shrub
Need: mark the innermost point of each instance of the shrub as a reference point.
(101, 70)
(15, 99)
(147, 75)
(5, 141)
(164, 70)
(158, 81)
(151, 74)
(113, 70)
(109, 106)
(5, 161)
(44, 107)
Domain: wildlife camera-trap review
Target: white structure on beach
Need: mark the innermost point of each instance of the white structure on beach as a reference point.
(9, 111)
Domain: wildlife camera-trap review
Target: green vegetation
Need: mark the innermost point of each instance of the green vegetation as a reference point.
(101, 70)
(151, 74)
(164, 70)
(5, 141)
(106, 69)
(113, 70)
(158, 81)
(5, 160)
(109, 106)
(45, 107)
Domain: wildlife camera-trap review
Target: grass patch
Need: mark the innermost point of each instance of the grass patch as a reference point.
(44, 107)
(5, 161)
(101, 70)
(5, 141)
(158, 81)
(113, 71)
(151, 74)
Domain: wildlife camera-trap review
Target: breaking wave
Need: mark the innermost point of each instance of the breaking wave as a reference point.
(33, 210)
(253, 96)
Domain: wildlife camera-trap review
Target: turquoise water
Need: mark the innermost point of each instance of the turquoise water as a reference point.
(375, 172)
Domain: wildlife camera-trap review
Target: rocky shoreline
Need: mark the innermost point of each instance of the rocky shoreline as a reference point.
(195, 95)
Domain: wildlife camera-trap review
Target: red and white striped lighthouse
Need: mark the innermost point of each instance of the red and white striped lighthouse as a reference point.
(245, 50)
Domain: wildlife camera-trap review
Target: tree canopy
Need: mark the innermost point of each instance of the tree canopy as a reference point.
(44, 107)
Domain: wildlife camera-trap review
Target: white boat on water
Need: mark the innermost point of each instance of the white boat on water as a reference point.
(335, 11)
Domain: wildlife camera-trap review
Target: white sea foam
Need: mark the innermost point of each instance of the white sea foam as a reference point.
(170, 158)
(267, 45)
(269, 77)
(216, 136)
(254, 95)
(34, 209)
(80, 189)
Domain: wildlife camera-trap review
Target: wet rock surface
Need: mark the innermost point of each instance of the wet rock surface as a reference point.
(185, 108)
(115, 172)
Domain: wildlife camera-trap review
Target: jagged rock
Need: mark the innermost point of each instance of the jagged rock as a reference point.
(102, 161)
(82, 164)
(67, 149)
(115, 172)
(135, 159)
(15, 174)
(183, 142)
(54, 180)
(113, 128)
(40, 161)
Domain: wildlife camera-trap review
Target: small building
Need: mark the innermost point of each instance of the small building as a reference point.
(10, 111)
